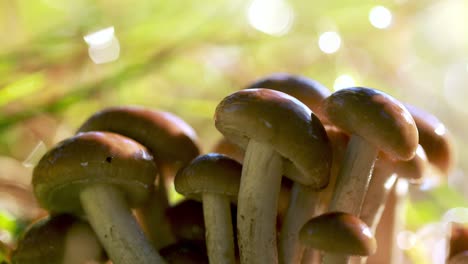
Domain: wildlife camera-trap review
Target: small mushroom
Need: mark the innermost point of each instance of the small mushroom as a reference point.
(170, 140)
(103, 175)
(376, 121)
(338, 235)
(281, 136)
(59, 239)
(214, 179)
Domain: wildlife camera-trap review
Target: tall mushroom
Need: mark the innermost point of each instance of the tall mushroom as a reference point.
(101, 175)
(280, 135)
(172, 142)
(338, 234)
(376, 121)
(58, 239)
(215, 179)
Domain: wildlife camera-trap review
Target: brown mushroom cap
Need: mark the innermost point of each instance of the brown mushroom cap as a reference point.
(167, 136)
(187, 222)
(308, 91)
(434, 138)
(460, 258)
(338, 232)
(458, 239)
(45, 241)
(376, 117)
(280, 120)
(413, 170)
(184, 253)
(224, 146)
(210, 173)
(92, 158)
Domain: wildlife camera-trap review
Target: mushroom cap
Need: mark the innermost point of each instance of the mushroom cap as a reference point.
(92, 158)
(434, 138)
(458, 239)
(168, 137)
(45, 241)
(184, 252)
(280, 120)
(338, 232)
(224, 146)
(413, 170)
(460, 258)
(211, 173)
(375, 116)
(308, 91)
(187, 222)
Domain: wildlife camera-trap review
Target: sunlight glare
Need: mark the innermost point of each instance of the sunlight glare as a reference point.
(380, 17)
(273, 17)
(329, 42)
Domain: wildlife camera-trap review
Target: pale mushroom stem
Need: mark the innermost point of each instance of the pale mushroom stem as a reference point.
(257, 204)
(301, 208)
(118, 231)
(374, 203)
(218, 225)
(152, 213)
(354, 176)
(332, 258)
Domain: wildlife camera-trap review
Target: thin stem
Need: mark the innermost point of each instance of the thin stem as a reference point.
(117, 229)
(258, 203)
(218, 225)
(301, 208)
(152, 213)
(377, 193)
(354, 176)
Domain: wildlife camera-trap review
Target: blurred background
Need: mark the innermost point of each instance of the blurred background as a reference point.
(60, 61)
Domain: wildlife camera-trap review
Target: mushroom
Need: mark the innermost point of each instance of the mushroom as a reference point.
(434, 138)
(458, 239)
(383, 179)
(338, 234)
(58, 239)
(308, 91)
(187, 222)
(102, 175)
(376, 121)
(280, 135)
(223, 146)
(171, 141)
(214, 179)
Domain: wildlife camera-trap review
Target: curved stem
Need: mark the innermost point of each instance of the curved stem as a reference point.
(115, 226)
(218, 225)
(354, 176)
(257, 205)
(377, 193)
(301, 208)
(152, 214)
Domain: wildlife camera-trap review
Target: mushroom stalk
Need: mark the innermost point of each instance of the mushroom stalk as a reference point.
(257, 204)
(354, 176)
(333, 258)
(117, 229)
(218, 224)
(301, 208)
(374, 203)
(152, 213)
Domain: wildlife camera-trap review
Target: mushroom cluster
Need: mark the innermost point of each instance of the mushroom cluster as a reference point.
(340, 154)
